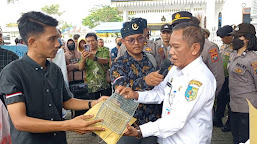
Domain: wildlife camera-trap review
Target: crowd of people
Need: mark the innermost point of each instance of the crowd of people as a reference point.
(55, 76)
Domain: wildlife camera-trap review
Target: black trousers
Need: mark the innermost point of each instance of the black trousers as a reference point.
(239, 127)
(222, 101)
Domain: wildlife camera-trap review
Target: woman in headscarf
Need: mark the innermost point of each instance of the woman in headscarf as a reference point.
(72, 57)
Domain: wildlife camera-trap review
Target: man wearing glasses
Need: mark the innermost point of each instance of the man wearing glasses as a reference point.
(148, 46)
(131, 70)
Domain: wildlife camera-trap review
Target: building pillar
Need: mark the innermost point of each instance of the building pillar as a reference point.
(125, 15)
(210, 15)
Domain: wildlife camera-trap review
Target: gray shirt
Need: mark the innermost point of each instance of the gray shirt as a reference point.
(211, 57)
(242, 81)
(43, 93)
(162, 53)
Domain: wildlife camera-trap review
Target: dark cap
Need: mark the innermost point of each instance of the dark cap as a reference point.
(181, 16)
(224, 31)
(133, 27)
(166, 27)
(142, 21)
(242, 29)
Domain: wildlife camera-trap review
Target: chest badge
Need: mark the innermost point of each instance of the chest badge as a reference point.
(148, 49)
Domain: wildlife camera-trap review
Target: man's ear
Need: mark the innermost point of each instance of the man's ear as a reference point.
(195, 48)
(32, 42)
(123, 41)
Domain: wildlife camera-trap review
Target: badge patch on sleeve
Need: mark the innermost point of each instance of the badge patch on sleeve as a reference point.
(254, 65)
(161, 51)
(192, 90)
(214, 55)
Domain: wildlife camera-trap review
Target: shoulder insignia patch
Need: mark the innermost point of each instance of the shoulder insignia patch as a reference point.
(161, 51)
(148, 49)
(254, 65)
(255, 70)
(214, 55)
(192, 90)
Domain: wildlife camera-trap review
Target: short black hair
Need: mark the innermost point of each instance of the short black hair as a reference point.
(195, 20)
(191, 34)
(34, 23)
(76, 36)
(91, 35)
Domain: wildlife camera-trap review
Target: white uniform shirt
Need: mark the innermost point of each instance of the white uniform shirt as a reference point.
(187, 105)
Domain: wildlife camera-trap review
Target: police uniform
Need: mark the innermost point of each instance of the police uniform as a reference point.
(211, 57)
(223, 96)
(242, 82)
(162, 53)
(188, 97)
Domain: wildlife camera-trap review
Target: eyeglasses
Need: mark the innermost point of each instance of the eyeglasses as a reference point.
(132, 41)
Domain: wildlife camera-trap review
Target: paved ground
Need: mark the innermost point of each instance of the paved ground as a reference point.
(218, 137)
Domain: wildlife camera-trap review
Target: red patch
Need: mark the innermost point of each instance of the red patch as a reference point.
(214, 55)
(161, 51)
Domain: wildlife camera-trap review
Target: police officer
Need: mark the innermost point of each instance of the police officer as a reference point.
(223, 97)
(242, 69)
(162, 47)
(187, 93)
(149, 47)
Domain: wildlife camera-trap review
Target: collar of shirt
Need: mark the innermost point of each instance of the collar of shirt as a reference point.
(191, 66)
(130, 58)
(33, 64)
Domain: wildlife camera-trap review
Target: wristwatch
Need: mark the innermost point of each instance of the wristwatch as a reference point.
(96, 58)
(139, 133)
(89, 104)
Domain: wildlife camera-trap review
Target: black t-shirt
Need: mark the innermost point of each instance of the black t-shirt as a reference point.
(43, 93)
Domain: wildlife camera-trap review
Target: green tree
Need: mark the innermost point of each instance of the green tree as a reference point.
(102, 14)
(11, 1)
(52, 9)
(64, 25)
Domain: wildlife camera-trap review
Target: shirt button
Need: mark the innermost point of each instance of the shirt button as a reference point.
(50, 105)
(47, 90)
(54, 134)
(52, 119)
(41, 67)
(36, 69)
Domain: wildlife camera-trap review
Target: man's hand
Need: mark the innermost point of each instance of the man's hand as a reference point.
(127, 92)
(94, 102)
(91, 56)
(131, 131)
(85, 54)
(153, 79)
(81, 126)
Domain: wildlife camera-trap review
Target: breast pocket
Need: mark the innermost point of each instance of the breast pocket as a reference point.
(58, 97)
(240, 74)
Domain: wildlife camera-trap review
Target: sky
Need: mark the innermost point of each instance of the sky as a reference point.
(75, 10)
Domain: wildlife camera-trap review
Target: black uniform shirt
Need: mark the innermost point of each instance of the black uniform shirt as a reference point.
(43, 93)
